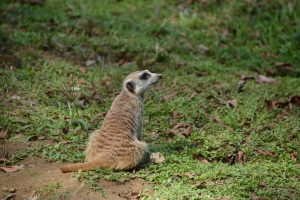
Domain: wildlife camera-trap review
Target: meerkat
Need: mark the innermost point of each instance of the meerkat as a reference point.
(117, 144)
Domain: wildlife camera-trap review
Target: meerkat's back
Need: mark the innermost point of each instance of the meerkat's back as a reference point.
(117, 144)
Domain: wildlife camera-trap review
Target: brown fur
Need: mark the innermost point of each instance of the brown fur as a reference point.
(117, 144)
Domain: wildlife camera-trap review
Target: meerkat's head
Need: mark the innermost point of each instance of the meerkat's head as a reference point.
(138, 82)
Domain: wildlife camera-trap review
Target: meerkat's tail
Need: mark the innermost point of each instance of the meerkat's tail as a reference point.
(81, 166)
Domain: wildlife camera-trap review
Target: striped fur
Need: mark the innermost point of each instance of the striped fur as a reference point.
(117, 145)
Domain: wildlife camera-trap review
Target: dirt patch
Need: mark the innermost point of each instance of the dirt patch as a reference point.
(45, 180)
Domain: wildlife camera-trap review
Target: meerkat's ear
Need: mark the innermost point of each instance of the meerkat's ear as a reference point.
(130, 86)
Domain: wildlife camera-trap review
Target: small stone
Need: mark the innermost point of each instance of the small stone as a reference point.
(157, 158)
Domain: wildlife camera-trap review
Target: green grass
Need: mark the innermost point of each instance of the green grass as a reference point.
(242, 37)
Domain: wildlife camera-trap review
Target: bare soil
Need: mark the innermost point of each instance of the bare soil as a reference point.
(43, 179)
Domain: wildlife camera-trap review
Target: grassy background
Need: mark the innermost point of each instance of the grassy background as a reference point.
(201, 47)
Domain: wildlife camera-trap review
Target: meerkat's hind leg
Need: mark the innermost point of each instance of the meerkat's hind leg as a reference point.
(133, 158)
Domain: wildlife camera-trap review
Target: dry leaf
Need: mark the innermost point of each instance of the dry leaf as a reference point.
(266, 153)
(202, 159)
(262, 184)
(271, 104)
(232, 103)
(3, 134)
(263, 79)
(295, 100)
(240, 156)
(176, 115)
(157, 158)
(283, 67)
(82, 82)
(41, 137)
(189, 174)
(294, 156)
(187, 131)
(173, 132)
(11, 169)
(82, 70)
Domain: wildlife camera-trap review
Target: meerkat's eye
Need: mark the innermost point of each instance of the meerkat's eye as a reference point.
(145, 76)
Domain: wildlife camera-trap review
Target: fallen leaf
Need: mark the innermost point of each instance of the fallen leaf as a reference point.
(181, 125)
(189, 174)
(263, 79)
(187, 131)
(157, 158)
(294, 156)
(266, 153)
(201, 159)
(232, 103)
(284, 67)
(271, 104)
(11, 169)
(295, 100)
(176, 115)
(3, 134)
(173, 132)
(82, 82)
(240, 157)
(262, 184)
(204, 161)
(65, 142)
(41, 137)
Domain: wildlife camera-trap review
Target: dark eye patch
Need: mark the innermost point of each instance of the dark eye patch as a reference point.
(145, 76)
